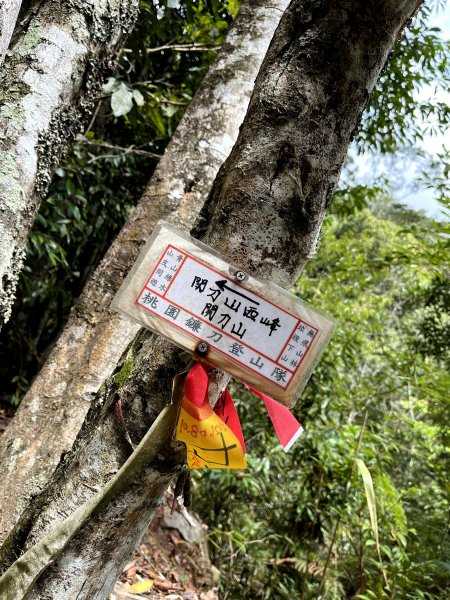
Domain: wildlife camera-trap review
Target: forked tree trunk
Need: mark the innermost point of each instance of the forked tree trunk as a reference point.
(87, 352)
(264, 214)
(49, 83)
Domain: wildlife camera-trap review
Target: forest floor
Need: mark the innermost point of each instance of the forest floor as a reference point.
(167, 565)
(172, 561)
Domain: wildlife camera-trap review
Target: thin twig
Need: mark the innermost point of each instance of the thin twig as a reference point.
(193, 47)
(314, 519)
(94, 116)
(130, 150)
(184, 48)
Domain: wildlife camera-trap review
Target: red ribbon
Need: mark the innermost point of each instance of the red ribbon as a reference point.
(226, 410)
(286, 426)
(213, 438)
(196, 390)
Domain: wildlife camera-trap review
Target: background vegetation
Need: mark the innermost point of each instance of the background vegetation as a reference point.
(298, 525)
(303, 524)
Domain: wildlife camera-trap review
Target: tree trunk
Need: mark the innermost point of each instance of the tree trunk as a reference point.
(9, 11)
(51, 414)
(270, 197)
(264, 214)
(49, 83)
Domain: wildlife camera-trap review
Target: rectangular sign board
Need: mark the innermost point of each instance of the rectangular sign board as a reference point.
(254, 330)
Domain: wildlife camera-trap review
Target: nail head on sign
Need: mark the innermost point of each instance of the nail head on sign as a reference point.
(202, 348)
(241, 276)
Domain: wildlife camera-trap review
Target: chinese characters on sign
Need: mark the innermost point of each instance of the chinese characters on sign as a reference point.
(238, 323)
(253, 330)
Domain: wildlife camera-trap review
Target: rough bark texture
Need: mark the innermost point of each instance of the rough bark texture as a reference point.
(264, 213)
(9, 11)
(88, 350)
(49, 83)
(269, 199)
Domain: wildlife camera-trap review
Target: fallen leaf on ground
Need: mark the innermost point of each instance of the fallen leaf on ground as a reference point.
(166, 585)
(141, 586)
(209, 595)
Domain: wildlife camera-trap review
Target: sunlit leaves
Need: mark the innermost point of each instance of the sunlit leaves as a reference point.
(407, 102)
(121, 100)
(312, 498)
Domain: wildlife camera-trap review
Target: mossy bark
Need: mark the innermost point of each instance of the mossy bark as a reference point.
(48, 86)
(264, 214)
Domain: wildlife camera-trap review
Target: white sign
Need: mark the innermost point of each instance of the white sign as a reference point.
(252, 329)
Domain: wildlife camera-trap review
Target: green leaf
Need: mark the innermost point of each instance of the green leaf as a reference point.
(121, 100)
(371, 505)
(138, 98)
(110, 86)
(169, 110)
(370, 496)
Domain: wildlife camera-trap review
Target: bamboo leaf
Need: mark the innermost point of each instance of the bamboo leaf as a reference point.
(370, 497)
(371, 505)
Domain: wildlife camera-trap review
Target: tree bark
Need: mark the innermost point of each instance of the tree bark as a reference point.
(49, 83)
(87, 352)
(9, 11)
(270, 197)
(264, 213)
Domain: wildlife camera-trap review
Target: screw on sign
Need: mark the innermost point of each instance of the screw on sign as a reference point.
(240, 276)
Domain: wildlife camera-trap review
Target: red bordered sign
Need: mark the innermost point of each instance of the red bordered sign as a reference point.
(253, 329)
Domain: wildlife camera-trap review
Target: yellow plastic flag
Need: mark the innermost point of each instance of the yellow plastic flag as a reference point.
(212, 441)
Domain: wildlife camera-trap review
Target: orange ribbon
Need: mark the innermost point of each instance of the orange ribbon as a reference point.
(214, 438)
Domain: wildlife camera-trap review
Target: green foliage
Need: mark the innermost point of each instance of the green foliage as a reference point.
(405, 104)
(297, 525)
(161, 66)
(294, 525)
(371, 503)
